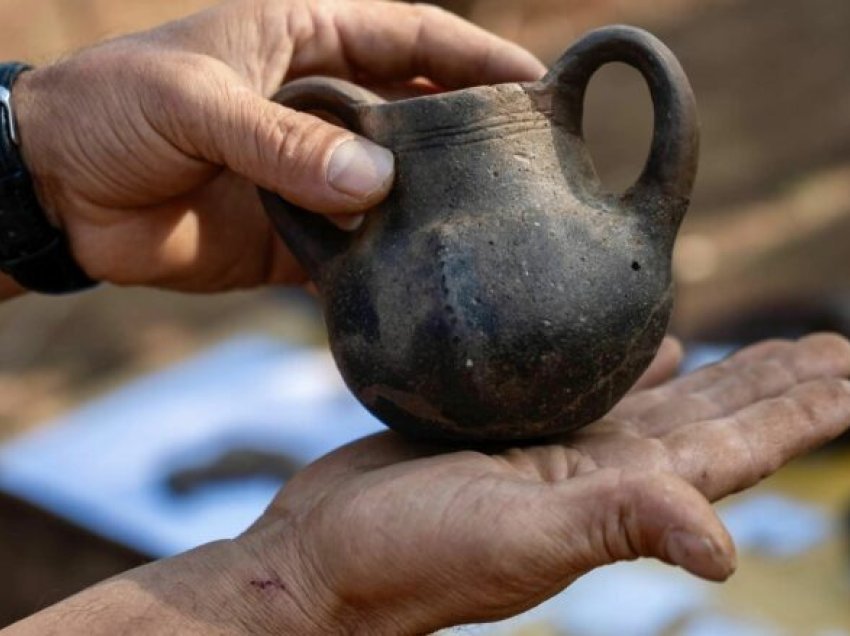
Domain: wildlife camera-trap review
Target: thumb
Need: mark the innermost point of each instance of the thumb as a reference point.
(308, 161)
(610, 515)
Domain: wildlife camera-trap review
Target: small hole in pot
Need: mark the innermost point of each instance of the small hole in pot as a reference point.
(636, 266)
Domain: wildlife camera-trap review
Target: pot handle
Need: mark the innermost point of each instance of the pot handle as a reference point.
(671, 167)
(311, 237)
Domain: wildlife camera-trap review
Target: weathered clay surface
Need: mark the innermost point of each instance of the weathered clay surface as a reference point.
(499, 293)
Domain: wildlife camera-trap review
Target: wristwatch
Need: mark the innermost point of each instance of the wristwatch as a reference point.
(32, 250)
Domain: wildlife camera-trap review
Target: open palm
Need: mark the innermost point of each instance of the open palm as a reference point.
(411, 538)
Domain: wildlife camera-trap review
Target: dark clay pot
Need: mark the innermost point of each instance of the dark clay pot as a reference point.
(499, 293)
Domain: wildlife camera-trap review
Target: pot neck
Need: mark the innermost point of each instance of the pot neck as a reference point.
(455, 117)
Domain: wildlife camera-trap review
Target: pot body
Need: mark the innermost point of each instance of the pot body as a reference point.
(497, 293)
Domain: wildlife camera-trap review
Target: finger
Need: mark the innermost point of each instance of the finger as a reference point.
(745, 378)
(348, 222)
(311, 289)
(724, 456)
(215, 239)
(308, 161)
(397, 41)
(611, 515)
(702, 377)
(393, 92)
(663, 367)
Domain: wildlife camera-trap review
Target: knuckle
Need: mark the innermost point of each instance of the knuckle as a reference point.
(429, 11)
(825, 339)
(824, 400)
(428, 8)
(829, 346)
(772, 348)
(176, 92)
(841, 386)
(293, 140)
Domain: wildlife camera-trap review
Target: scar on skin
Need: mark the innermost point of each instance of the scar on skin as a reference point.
(273, 583)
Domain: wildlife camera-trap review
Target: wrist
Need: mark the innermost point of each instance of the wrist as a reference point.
(281, 587)
(28, 101)
(321, 596)
(33, 250)
(215, 589)
(223, 587)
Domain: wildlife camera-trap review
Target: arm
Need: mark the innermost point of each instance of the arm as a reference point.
(215, 589)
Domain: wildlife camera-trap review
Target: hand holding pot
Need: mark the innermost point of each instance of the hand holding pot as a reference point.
(145, 148)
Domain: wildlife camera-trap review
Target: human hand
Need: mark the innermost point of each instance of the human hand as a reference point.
(393, 536)
(146, 149)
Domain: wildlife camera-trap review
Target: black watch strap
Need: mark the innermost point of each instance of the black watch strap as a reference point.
(32, 250)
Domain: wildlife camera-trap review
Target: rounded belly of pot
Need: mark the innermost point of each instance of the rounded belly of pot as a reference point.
(463, 334)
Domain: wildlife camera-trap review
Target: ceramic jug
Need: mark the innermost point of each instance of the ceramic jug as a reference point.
(499, 293)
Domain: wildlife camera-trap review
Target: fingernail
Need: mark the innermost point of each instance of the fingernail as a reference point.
(348, 222)
(359, 168)
(699, 555)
